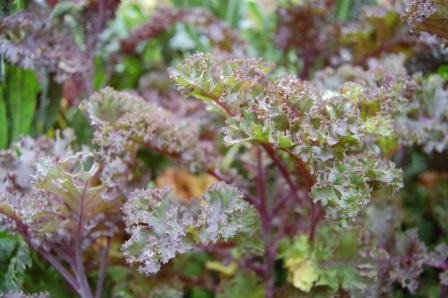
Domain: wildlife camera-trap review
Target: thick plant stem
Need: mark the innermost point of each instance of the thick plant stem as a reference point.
(102, 269)
(84, 288)
(70, 278)
(60, 268)
(309, 182)
(270, 241)
(79, 269)
(443, 292)
(283, 170)
(261, 185)
(270, 244)
(270, 269)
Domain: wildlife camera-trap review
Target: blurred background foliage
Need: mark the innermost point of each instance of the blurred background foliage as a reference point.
(33, 102)
(41, 98)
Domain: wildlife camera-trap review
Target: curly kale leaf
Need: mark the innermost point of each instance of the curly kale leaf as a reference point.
(123, 122)
(162, 226)
(48, 193)
(319, 129)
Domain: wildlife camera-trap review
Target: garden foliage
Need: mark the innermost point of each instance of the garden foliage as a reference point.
(224, 149)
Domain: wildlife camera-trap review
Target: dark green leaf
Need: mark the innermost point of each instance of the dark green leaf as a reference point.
(21, 93)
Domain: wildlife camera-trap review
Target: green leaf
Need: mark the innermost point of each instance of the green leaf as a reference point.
(14, 260)
(78, 121)
(21, 94)
(344, 7)
(228, 270)
(243, 285)
(304, 273)
(259, 133)
(182, 39)
(64, 8)
(443, 71)
(49, 105)
(255, 12)
(3, 120)
(325, 195)
(284, 141)
(328, 278)
(299, 260)
(232, 12)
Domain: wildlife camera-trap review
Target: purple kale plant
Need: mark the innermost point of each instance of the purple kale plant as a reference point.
(223, 175)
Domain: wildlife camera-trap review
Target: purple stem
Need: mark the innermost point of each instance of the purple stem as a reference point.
(79, 269)
(282, 202)
(283, 170)
(309, 182)
(443, 292)
(46, 255)
(102, 270)
(261, 189)
(60, 268)
(266, 224)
